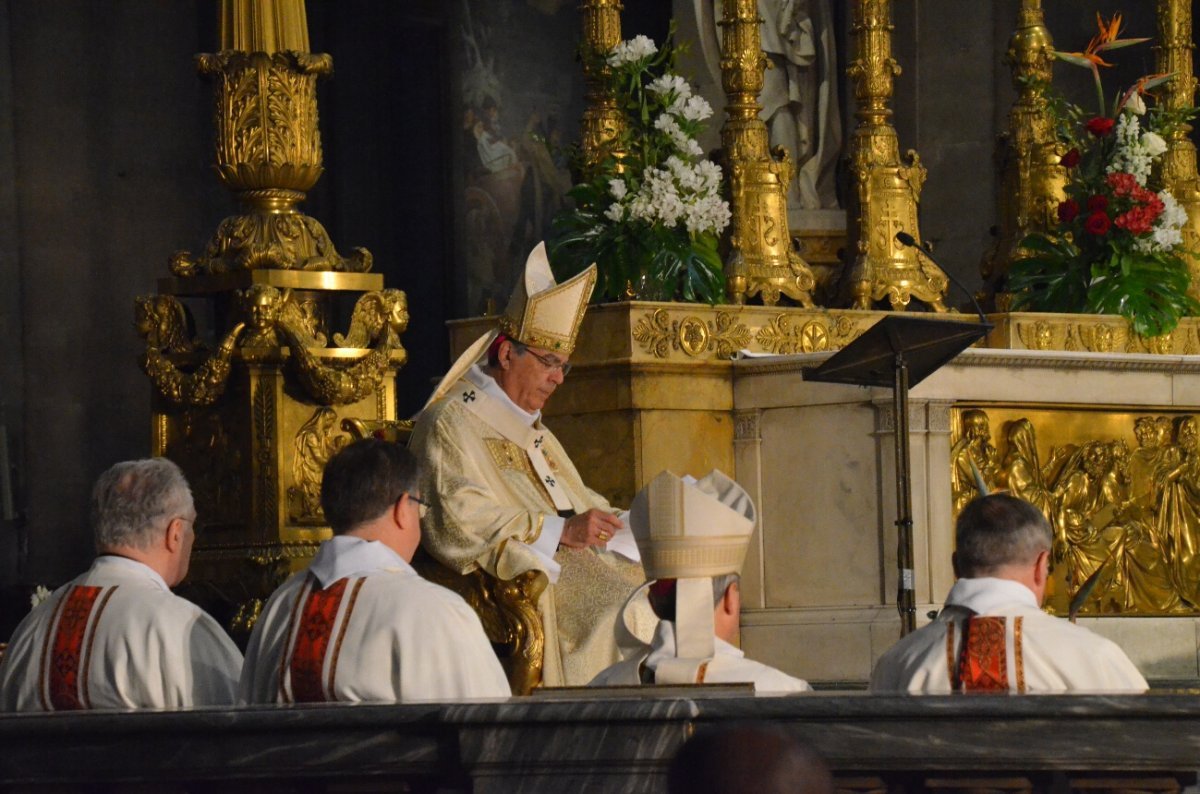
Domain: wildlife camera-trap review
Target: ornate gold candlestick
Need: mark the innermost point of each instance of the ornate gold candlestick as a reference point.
(253, 418)
(1174, 56)
(762, 259)
(886, 192)
(602, 119)
(1028, 153)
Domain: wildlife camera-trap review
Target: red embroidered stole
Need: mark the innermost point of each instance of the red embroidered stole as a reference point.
(982, 661)
(313, 628)
(67, 651)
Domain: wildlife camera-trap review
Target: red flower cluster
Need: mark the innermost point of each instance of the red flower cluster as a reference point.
(1070, 159)
(1144, 207)
(1147, 206)
(1100, 126)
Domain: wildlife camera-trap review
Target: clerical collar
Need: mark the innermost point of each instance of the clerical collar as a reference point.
(486, 382)
(129, 564)
(345, 555)
(986, 594)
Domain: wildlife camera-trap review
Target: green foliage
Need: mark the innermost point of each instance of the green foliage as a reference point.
(1148, 289)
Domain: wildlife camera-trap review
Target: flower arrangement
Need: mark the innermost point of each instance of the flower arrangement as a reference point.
(1117, 246)
(651, 213)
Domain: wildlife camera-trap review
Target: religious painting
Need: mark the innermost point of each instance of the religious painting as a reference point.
(517, 98)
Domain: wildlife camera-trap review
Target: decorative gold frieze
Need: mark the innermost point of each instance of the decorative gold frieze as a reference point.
(762, 258)
(886, 191)
(785, 335)
(721, 336)
(1121, 490)
(1089, 334)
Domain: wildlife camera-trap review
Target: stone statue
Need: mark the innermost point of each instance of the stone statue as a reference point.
(800, 91)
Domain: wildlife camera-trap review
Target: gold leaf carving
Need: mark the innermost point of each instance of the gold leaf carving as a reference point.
(658, 335)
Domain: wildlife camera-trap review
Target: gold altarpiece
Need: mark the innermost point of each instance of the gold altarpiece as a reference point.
(654, 388)
(253, 405)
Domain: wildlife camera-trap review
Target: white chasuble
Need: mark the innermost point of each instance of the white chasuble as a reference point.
(495, 478)
(117, 638)
(728, 665)
(992, 637)
(360, 625)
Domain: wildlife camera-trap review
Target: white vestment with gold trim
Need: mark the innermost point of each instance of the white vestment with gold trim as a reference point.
(495, 479)
(729, 665)
(116, 637)
(388, 636)
(1030, 651)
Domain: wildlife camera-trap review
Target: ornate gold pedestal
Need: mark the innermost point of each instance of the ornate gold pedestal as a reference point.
(886, 191)
(253, 405)
(762, 259)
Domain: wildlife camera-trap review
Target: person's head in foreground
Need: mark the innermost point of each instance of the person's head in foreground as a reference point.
(751, 757)
(143, 510)
(1003, 537)
(370, 490)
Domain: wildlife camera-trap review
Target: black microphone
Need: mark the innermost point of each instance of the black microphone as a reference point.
(904, 238)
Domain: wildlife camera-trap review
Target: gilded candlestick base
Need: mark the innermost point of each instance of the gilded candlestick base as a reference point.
(763, 260)
(887, 190)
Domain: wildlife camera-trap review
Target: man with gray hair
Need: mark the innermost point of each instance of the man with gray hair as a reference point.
(116, 637)
(992, 635)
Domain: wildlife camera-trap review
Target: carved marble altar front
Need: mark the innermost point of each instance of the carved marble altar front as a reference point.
(1056, 426)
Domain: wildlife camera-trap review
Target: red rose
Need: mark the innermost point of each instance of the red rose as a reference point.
(1097, 204)
(1100, 126)
(1070, 159)
(1067, 210)
(1097, 224)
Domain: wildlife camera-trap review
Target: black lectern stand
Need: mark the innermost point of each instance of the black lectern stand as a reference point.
(900, 351)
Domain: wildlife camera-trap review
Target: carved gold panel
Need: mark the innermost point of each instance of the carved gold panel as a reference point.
(1120, 488)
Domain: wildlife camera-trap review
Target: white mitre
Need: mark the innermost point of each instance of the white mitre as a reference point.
(541, 313)
(692, 530)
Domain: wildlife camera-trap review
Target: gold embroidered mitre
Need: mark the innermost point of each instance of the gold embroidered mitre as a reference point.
(543, 313)
(689, 528)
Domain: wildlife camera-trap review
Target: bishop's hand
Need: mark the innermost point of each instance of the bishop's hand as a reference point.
(593, 528)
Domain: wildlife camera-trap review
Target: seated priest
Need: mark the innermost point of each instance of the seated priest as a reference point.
(360, 625)
(992, 635)
(116, 637)
(693, 535)
(504, 496)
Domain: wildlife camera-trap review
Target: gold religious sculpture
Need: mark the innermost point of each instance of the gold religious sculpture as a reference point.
(885, 190)
(762, 260)
(1028, 153)
(1121, 492)
(252, 416)
(1178, 165)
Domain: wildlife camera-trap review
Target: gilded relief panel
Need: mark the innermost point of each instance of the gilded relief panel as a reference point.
(1121, 490)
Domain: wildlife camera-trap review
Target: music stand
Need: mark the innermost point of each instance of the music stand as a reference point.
(899, 352)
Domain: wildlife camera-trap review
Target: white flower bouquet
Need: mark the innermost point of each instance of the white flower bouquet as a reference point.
(651, 214)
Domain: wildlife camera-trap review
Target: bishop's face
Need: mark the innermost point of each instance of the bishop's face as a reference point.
(529, 377)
